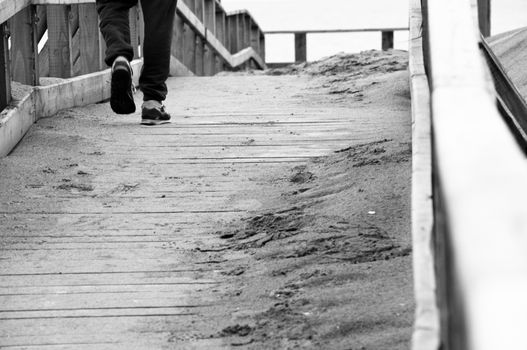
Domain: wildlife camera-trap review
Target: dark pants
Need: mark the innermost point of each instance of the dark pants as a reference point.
(159, 22)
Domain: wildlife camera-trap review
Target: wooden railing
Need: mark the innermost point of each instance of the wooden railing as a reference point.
(469, 217)
(206, 40)
(387, 35)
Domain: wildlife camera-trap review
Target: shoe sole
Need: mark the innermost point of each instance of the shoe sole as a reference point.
(122, 100)
(151, 122)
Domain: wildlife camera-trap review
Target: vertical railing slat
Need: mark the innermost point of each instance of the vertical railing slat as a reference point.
(200, 45)
(300, 47)
(178, 38)
(484, 17)
(209, 60)
(262, 46)
(24, 65)
(89, 39)
(387, 40)
(5, 71)
(59, 39)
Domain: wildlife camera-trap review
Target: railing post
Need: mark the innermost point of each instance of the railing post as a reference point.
(59, 39)
(220, 25)
(484, 17)
(300, 47)
(387, 40)
(233, 24)
(24, 65)
(41, 27)
(247, 31)
(178, 39)
(5, 71)
(255, 37)
(262, 46)
(189, 42)
(210, 24)
(89, 39)
(200, 45)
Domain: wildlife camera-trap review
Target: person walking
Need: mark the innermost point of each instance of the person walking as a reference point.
(115, 28)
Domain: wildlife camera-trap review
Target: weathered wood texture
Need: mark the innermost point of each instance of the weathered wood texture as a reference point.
(60, 41)
(480, 191)
(5, 70)
(387, 40)
(300, 47)
(484, 16)
(89, 40)
(116, 266)
(73, 49)
(24, 64)
(426, 335)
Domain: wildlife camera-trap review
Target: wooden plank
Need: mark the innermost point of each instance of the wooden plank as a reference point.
(62, 2)
(210, 15)
(190, 48)
(209, 62)
(8, 8)
(102, 52)
(59, 39)
(178, 38)
(329, 31)
(255, 38)
(387, 40)
(43, 61)
(220, 26)
(481, 189)
(246, 54)
(262, 52)
(86, 89)
(200, 42)
(300, 47)
(89, 39)
(24, 65)
(484, 17)
(426, 334)
(15, 122)
(247, 31)
(234, 33)
(5, 70)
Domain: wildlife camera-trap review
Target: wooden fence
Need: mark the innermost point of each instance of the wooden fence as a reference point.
(469, 218)
(206, 40)
(387, 35)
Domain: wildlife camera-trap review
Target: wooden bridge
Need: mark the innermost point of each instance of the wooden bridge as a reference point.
(65, 285)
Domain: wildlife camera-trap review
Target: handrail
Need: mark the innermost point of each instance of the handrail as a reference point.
(301, 37)
(426, 334)
(323, 31)
(479, 189)
(206, 40)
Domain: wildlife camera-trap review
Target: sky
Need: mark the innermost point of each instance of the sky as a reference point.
(349, 14)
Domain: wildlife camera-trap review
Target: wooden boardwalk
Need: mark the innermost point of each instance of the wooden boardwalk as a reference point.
(99, 215)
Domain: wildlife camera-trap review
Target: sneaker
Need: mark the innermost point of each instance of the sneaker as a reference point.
(122, 97)
(153, 113)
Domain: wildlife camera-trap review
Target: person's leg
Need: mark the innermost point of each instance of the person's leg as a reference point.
(159, 22)
(115, 28)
